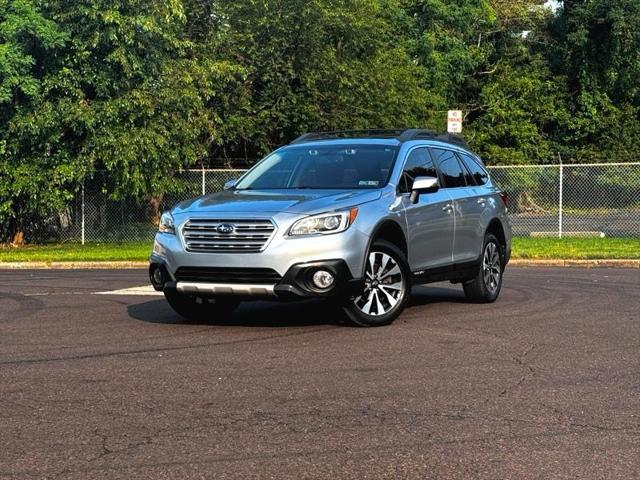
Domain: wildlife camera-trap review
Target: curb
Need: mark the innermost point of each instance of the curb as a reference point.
(517, 262)
(71, 265)
(612, 263)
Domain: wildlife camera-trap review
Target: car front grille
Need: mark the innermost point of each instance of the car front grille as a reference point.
(238, 235)
(257, 276)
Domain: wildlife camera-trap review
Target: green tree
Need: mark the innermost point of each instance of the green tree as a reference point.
(156, 95)
(37, 170)
(479, 55)
(522, 110)
(144, 89)
(453, 43)
(598, 49)
(315, 65)
(110, 84)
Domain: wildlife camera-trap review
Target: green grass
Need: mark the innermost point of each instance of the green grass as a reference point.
(576, 248)
(523, 247)
(74, 252)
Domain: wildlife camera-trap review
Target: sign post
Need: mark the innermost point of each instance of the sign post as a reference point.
(454, 123)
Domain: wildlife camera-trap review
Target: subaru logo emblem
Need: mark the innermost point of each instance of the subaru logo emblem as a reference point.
(225, 228)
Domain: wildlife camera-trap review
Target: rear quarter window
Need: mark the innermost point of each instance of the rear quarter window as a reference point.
(478, 172)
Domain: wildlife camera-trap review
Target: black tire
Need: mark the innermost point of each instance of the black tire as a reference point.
(200, 309)
(486, 285)
(385, 289)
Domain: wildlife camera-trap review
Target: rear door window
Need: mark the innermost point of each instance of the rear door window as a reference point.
(450, 168)
(468, 178)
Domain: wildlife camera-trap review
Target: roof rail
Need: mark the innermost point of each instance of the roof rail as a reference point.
(382, 133)
(402, 135)
(415, 134)
(420, 134)
(453, 138)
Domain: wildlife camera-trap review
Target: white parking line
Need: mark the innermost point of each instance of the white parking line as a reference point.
(146, 290)
(51, 294)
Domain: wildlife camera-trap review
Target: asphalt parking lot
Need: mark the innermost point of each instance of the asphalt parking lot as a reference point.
(545, 383)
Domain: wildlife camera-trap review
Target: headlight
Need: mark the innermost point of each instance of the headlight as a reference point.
(166, 223)
(325, 223)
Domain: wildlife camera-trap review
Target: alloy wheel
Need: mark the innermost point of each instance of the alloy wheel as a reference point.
(384, 285)
(491, 268)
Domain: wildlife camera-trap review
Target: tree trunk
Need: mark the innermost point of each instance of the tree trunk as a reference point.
(154, 203)
(17, 239)
(526, 204)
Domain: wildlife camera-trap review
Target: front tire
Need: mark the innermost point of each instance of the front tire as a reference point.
(486, 285)
(386, 290)
(198, 308)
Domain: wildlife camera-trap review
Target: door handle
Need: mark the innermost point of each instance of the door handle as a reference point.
(447, 208)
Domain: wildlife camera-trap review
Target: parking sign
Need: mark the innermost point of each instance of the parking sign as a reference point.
(454, 124)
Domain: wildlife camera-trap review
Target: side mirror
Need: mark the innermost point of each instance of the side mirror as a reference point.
(423, 185)
(229, 184)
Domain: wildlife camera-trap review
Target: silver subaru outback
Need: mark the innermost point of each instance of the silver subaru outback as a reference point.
(356, 216)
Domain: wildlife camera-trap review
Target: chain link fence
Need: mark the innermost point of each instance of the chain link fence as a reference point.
(569, 200)
(594, 199)
(93, 216)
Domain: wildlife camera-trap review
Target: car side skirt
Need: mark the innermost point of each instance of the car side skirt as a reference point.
(458, 272)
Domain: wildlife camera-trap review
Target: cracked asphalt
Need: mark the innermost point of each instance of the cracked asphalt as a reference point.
(545, 383)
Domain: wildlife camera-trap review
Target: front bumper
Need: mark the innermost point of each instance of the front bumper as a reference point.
(280, 254)
(289, 258)
(296, 284)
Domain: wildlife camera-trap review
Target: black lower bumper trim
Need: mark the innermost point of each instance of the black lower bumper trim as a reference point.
(297, 282)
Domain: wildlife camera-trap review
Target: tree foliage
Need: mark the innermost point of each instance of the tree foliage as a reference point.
(597, 48)
(38, 169)
(316, 65)
(115, 85)
(144, 89)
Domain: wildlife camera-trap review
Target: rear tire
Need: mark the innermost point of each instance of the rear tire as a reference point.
(386, 290)
(486, 285)
(200, 309)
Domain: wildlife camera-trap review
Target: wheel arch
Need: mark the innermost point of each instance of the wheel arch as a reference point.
(496, 228)
(391, 231)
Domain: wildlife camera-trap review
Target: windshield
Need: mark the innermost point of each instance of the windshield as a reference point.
(323, 167)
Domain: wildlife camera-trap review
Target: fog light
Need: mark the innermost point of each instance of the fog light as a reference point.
(323, 279)
(157, 277)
